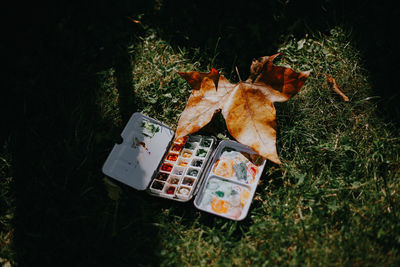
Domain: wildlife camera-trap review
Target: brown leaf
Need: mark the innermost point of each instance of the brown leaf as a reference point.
(202, 103)
(249, 112)
(284, 82)
(194, 78)
(247, 107)
(250, 118)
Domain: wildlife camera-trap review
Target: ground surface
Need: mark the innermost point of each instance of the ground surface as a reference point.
(82, 70)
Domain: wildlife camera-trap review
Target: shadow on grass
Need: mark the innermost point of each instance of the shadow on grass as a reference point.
(59, 143)
(63, 214)
(123, 71)
(231, 34)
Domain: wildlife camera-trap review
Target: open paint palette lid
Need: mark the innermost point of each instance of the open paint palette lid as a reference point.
(134, 161)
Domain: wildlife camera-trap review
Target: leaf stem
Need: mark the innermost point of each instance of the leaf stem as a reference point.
(237, 72)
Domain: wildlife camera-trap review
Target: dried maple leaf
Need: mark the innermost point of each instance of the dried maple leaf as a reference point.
(204, 101)
(247, 107)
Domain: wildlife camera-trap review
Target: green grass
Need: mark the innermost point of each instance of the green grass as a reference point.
(7, 208)
(333, 201)
(157, 86)
(159, 91)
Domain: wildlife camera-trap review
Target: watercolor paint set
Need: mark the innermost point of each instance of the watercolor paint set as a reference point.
(181, 168)
(223, 178)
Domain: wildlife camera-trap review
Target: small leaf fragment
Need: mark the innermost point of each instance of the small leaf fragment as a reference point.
(335, 87)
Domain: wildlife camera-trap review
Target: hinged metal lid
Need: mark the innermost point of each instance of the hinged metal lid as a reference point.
(134, 161)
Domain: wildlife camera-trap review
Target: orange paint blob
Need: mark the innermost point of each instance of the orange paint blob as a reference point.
(244, 196)
(219, 206)
(172, 157)
(183, 164)
(187, 154)
(224, 168)
(181, 140)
